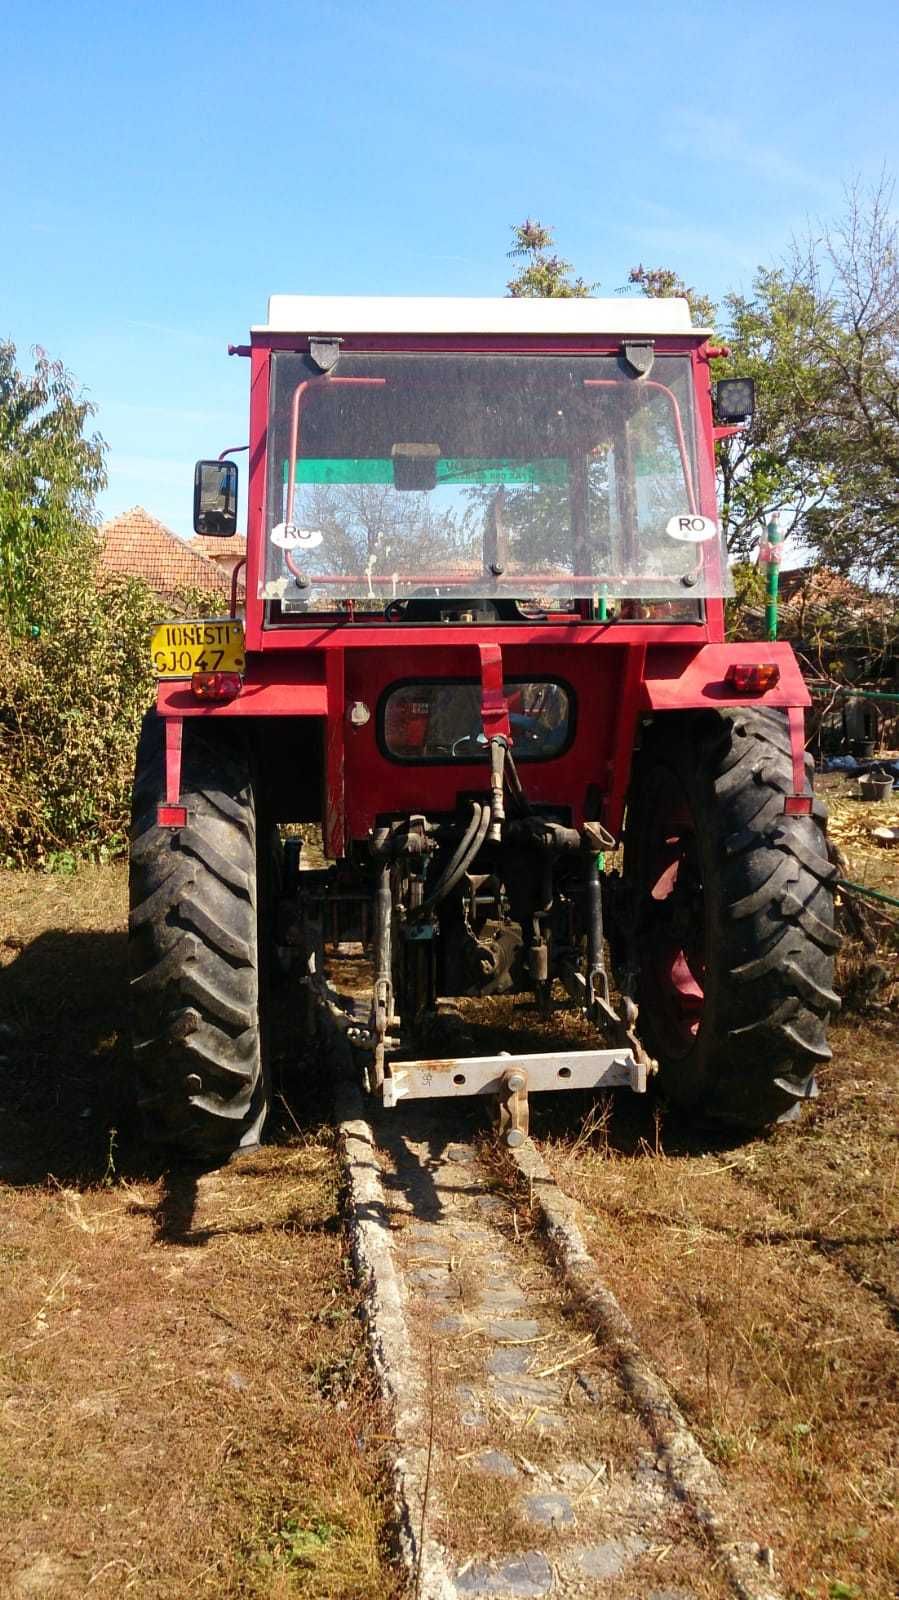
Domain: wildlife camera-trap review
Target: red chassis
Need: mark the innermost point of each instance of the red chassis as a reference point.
(612, 668)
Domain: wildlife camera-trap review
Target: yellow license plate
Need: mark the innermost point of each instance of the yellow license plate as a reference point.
(179, 649)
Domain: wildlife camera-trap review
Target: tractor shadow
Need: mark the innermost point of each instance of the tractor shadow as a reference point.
(66, 1097)
(64, 1060)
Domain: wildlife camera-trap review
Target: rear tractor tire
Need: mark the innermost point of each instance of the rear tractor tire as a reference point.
(194, 943)
(732, 915)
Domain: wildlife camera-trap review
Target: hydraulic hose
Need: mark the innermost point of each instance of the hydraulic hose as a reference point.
(513, 784)
(460, 860)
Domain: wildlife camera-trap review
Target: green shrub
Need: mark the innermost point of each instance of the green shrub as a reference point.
(49, 475)
(71, 701)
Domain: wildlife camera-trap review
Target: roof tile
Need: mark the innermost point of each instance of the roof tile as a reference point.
(143, 547)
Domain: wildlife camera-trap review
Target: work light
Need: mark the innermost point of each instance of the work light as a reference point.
(734, 399)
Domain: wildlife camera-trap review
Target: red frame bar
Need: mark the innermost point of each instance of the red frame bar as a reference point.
(494, 709)
(335, 811)
(170, 813)
(495, 344)
(260, 364)
(328, 632)
(174, 729)
(796, 720)
(626, 722)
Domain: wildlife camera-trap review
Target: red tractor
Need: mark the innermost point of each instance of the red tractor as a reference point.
(483, 645)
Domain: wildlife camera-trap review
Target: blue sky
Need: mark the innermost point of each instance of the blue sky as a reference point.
(164, 168)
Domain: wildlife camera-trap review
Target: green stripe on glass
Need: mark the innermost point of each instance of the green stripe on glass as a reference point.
(449, 471)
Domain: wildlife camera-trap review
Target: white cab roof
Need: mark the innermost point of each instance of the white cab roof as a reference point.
(338, 314)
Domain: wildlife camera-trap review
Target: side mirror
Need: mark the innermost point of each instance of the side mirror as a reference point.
(215, 498)
(734, 399)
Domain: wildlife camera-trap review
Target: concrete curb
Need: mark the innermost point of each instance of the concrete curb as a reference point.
(691, 1474)
(401, 1388)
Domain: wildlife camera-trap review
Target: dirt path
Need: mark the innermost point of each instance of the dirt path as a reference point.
(542, 1479)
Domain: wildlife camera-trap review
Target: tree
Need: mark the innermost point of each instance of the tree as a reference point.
(544, 275)
(370, 528)
(661, 282)
(774, 467)
(819, 333)
(49, 474)
(851, 269)
(768, 467)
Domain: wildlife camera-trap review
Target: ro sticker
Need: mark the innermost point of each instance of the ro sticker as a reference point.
(691, 530)
(289, 537)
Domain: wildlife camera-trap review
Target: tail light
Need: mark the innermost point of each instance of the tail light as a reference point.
(171, 816)
(749, 677)
(215, 685)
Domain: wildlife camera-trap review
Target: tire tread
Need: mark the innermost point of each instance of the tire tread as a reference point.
(763, 1032)
(193, 949)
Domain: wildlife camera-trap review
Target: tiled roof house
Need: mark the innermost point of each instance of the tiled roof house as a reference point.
(143, 547)
(224, 552)
(822, 588)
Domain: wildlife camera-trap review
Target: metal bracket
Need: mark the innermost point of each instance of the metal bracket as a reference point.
(324, 349)
(513, 1108)
(598, 989)
(639, 355)
(556, 1069)
(619, 1030)
(494, 706)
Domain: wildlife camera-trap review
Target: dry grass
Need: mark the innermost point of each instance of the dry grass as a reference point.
(868, 964)
(851, 823)
(763, 1281)
(184, 1400)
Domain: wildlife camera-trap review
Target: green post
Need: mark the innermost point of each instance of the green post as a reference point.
(774, 539)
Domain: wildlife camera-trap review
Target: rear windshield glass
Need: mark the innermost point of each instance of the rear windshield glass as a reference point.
(545, 478)
(442, 721)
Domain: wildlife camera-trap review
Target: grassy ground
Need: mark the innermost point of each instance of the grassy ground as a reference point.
(184, 1407)
(184, 1401)
(851, 826)
(764, 1281)
(869, 962)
